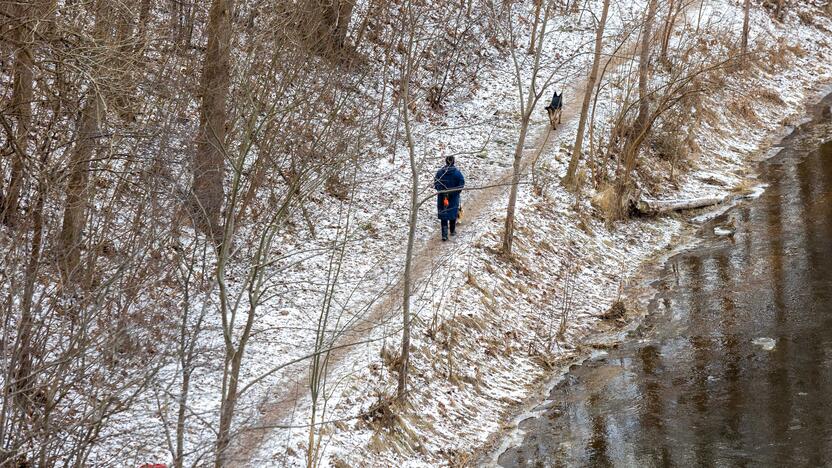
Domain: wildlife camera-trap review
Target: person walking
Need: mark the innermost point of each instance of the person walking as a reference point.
(448, 183)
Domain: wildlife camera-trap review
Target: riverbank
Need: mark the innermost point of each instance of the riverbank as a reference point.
(743, 312)
(644, 297)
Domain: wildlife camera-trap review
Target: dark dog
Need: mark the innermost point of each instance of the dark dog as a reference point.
(555, 109)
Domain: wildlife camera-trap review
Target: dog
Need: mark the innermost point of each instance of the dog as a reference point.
(555, 110)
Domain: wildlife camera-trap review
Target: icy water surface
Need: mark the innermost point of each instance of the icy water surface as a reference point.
(734, 368)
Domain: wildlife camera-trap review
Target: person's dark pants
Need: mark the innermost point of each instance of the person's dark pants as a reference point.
(445, 224)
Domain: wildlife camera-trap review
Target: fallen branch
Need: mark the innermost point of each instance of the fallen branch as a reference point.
(655, 207)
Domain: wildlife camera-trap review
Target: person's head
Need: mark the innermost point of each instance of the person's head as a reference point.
(449, 160)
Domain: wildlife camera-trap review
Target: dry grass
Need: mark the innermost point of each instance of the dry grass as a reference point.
(391, 359)
(797, 50)
(741, 108)
(604, 198)
(745, 187)
(806, 17)
(617, 311)
(770, 96)
(779, 56)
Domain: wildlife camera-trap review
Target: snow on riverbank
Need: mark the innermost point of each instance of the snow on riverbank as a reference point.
(487, 330)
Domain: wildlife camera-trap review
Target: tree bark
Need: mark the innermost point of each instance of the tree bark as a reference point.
(654, 207)
(570, 180)
(78, 191)
(327, 23)
(21, 109)
(644, 67)
(343, 14)
(209, 160)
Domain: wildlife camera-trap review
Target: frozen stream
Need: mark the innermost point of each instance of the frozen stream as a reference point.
(734, 365)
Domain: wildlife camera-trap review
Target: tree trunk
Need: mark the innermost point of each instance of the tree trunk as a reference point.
(228, 405)
(407, 280)
(21, 109)
(640, 126)
(654, 207)
(537, 5)
(746, 14)
(22, 359)
(644, 67)
(327, 24)
(570, 180)
(78, 191)
(342, 14)
(526, 112)
(209, 160)
(508, 233)
(408, 270)
(667, 32)
(144, 15)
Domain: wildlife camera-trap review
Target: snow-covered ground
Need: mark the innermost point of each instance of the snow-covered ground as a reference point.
(487, 331)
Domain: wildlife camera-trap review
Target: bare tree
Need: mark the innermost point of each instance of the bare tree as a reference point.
(570, 180)
(745, 17)
(537, 5)
(412, 20)
(528, 100)
(675, 7)
(641, 125)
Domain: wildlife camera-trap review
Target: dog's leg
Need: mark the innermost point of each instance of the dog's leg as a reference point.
(551, 117)
(560, 115)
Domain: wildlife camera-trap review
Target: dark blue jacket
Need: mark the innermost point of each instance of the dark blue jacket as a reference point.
(448, 178)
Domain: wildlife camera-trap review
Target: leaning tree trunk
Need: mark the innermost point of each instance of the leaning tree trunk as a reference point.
(209, 160)
(570, 180)
(640, 127)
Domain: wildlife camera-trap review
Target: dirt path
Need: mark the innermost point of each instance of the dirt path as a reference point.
(427, 256)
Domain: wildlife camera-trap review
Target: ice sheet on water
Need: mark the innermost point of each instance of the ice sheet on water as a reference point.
(764, 342)
(721, 231)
